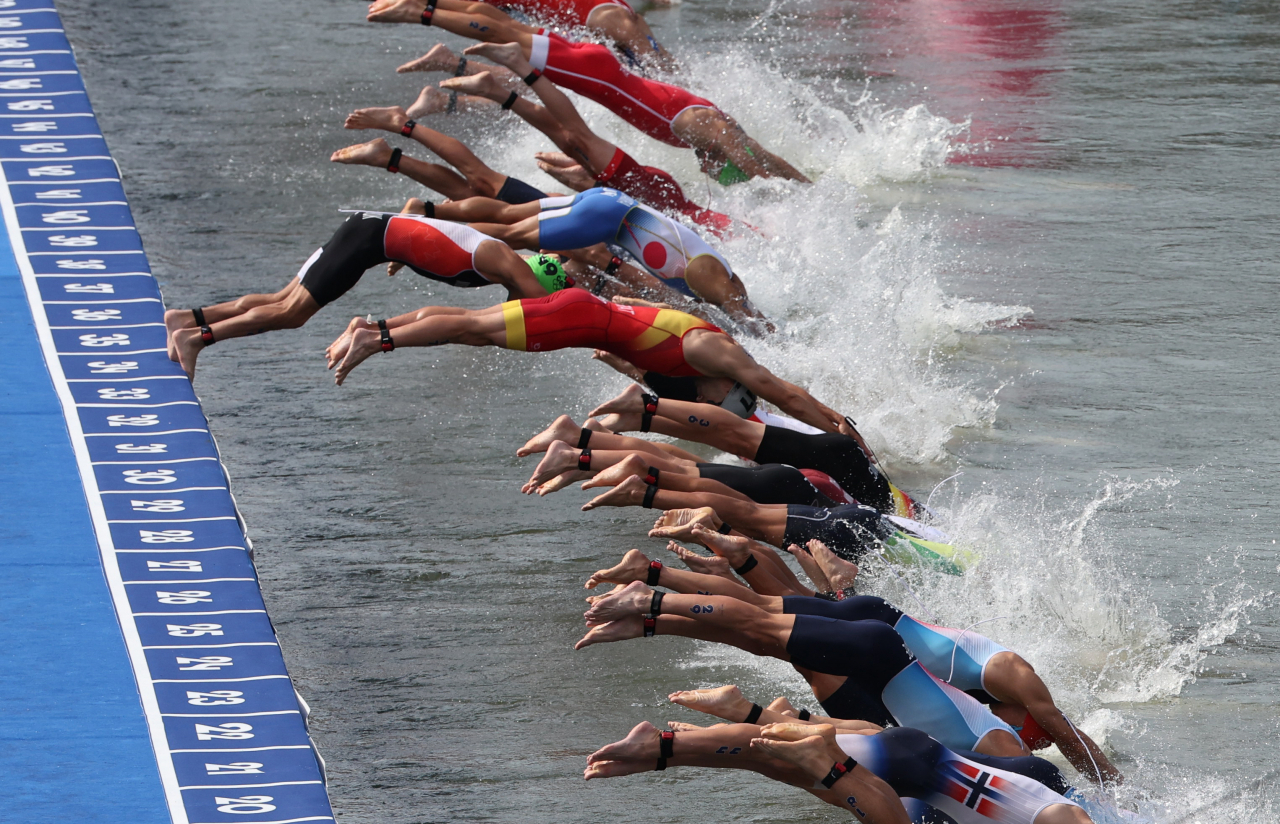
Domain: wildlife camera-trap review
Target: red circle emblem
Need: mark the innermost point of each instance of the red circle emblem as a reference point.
(655, 255)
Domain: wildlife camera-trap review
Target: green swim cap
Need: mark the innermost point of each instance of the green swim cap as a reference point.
(549, 272)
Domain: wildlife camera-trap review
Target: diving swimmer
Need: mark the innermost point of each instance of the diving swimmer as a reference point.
(663, 111)
(435, 249)
(662, 340)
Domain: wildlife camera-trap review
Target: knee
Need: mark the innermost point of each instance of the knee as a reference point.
(294, 315)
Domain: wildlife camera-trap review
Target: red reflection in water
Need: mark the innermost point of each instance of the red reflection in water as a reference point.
(988, 60)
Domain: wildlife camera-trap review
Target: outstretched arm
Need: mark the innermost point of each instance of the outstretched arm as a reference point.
(718, 356)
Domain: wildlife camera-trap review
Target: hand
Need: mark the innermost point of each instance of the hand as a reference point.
(566, 170)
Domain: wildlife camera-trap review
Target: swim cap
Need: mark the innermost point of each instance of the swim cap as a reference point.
(549, 272)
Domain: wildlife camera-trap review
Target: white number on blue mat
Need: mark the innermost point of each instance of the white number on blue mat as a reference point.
(81, 264)
(52, 147)
(146, 448)
(92, 315)
(186, 596)
(234, 768)
(103, 368)
(117, 339)
(194, 630)
(209, 662)
(66, 215)
(137, 420)
(235, 731)
(59, 194)
(36, 126)
(173, 505)
(179, 566)
(215, 698)
(137, 393)
(18, 84)
(95, 288)
(142, 476)
(246, 805)
(166, 536)
(73, 240)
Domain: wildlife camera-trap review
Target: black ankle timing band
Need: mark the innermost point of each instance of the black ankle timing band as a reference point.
(754, 715)
(428, 13)
(839, 771)
(584, 438)
(407, 128)
(584, 460)
(388, 344)
(655, 603)
(650, 409)
(511, 101)
(666, 739)
(393, 165)
(748, 565)
(804, 715)
(649, 493)
(199, 313)
(655, 572)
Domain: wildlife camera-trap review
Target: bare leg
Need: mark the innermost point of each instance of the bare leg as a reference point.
(175, 319)
(564, 429)
(709, 617)
(571, 135)
(860, 791)
(769, 577)
(712, 425)
(377, 153)
(724, 745)
(482, 327)
(441, 59)
(764, 522)
(292, 311)
(635, 567)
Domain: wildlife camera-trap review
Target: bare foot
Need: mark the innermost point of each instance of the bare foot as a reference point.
(338, 349)
(630, 400)
(628, 467)
(364, 342)
(187, 344)
(722, 702)
(626, 629)
(175, 319)
(560, 459)
(376, 152)
(570, 173)
(430, 101)
(715, 565)
(634, 566)
(678, 524)
(439, 59)
(482, 84)
(633, 599)
(734, 549)
(841, 574)
(504, 54)
(396, 11)
(810, 567)
(638, 752)
(628, 493)
(561, 481)
(387, 118)
(800, 732)
(561, 429)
